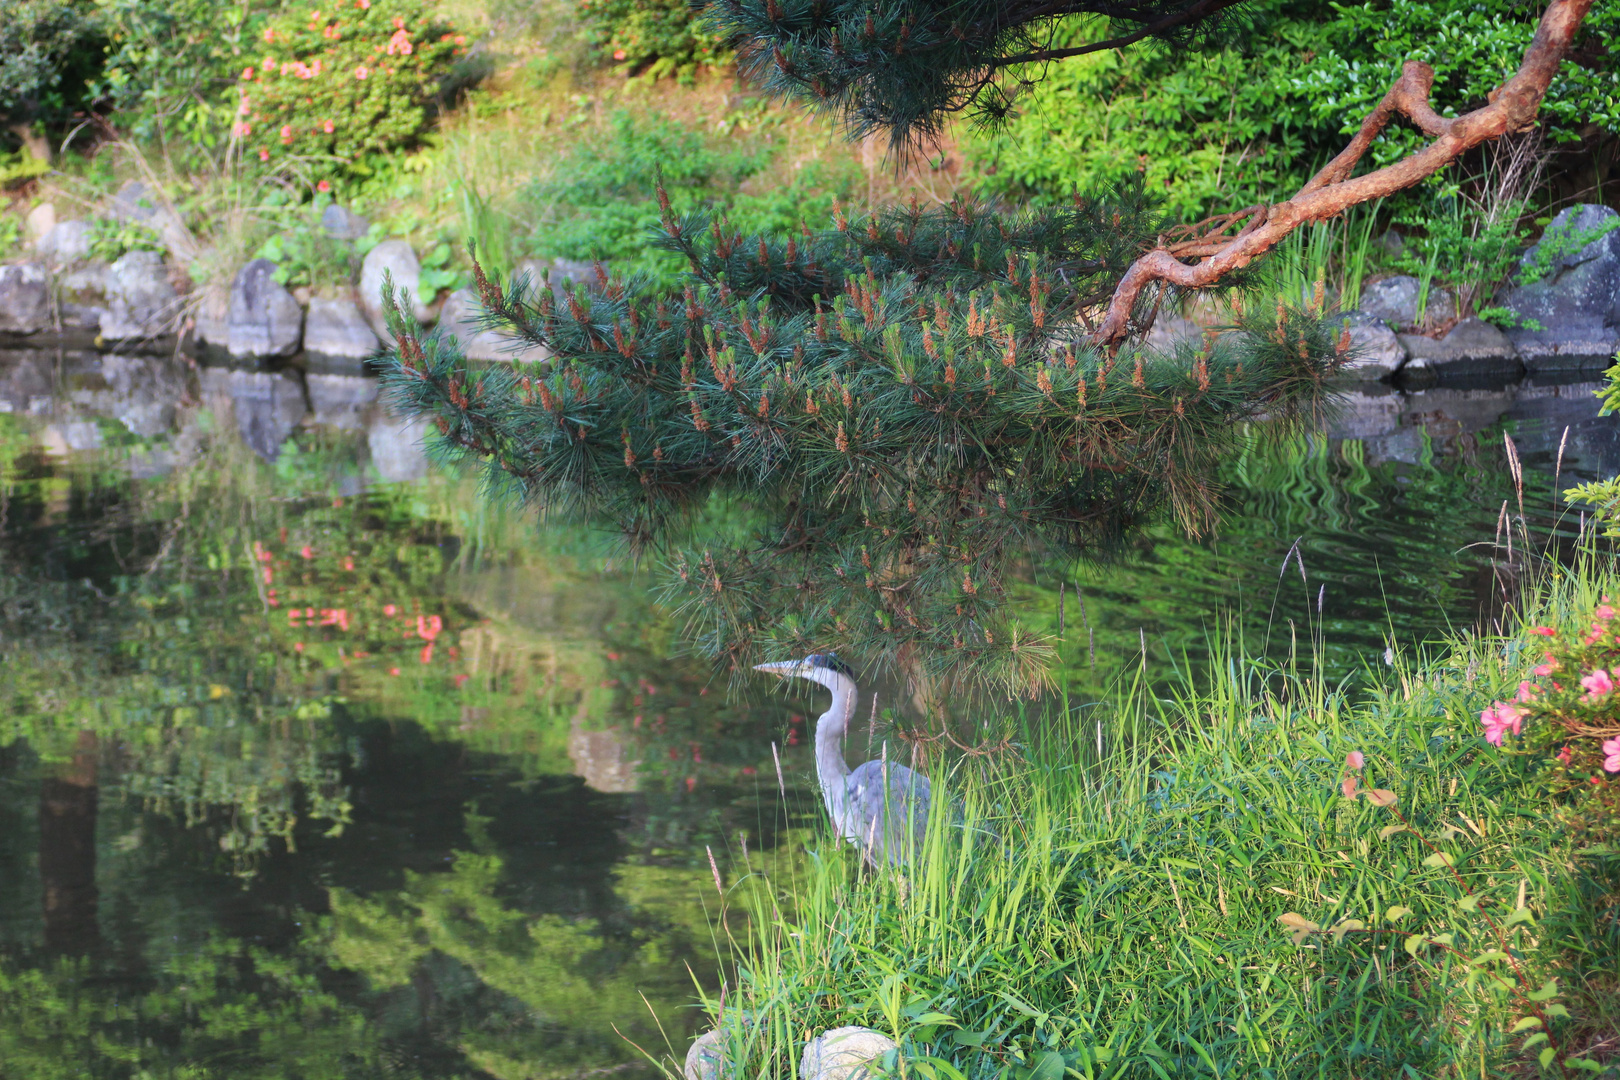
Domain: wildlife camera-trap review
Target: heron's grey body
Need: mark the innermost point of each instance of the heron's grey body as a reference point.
(880, 806)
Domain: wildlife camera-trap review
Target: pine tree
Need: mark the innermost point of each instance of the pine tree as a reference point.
(904, 408)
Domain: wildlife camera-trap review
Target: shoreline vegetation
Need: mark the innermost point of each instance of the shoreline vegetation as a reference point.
(1265, 877)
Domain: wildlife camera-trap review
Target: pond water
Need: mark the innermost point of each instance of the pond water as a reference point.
(317, 766)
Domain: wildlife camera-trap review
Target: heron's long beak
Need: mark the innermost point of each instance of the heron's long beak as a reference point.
(783, 668)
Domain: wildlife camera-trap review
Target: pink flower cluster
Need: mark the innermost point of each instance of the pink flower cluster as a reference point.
(1499, 719)
(400, 43)
(1597, 685)
(1611, 755)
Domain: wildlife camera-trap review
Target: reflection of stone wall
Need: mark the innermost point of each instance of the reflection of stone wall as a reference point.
(600, 759)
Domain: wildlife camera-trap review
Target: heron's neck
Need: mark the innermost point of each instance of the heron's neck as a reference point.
(830, 763)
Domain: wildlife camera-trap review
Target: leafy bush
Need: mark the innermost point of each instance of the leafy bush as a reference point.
(169, 64)
(1244, 124)
(651, 37)
(35, 38)
(1603, 496)
(111, 238)
(343, 82)
(599, 201)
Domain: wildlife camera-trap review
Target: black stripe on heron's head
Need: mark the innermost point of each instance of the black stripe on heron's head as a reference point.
(829, 661)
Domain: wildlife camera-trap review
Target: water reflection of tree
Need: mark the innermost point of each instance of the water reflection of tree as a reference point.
(165, 696)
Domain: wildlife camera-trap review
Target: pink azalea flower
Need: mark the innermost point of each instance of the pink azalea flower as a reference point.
(1544, 631)
(264, 155)
(1597, 684)
(362, 71)
(1611, 755)
(1546, 669)
(1499, 719)
(247, 72)
(1604, 612)
(1355, 759)
(1527, 693)
(269, 34)
(1565, 755)
(327, 126)
(326, 185)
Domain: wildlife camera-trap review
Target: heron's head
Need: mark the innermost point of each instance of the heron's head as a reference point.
(823, 668)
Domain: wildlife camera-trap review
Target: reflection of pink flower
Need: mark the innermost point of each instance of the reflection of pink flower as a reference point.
(1565, 755)
(1611, 755)
(306, 551)
(461, 680)
(1527, 693)
(1499, 719)
(619, 54)
(1597, 684)
(393, 671)
(389, 609)
(1355, 759)
(264, 155)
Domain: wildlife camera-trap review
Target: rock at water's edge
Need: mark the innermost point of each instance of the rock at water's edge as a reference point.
(25, 299)
(843, 1054)
(461, 315)
(1394, 300)
(1376, 352)
(141, 303)
(1473, 347)
(263, 319)
(337, 337)
(1577, 303)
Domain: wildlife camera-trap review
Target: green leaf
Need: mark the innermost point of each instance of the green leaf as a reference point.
(1548, 991)
(1397, 912)
(1490, 956)
(1345, 927)
(1557, 1010)
(935, 1018)
(1545, 1058)
(1525, 1023)
(1584, 1063)
(1520, 915)
(1390, 830)
(1468, 903)
(1532, 1040)
(969, 1038)
(1440, 858)
(1413, 943)
(1048, 1066)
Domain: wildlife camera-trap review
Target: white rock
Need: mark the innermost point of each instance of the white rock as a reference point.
(843, 1054)
(704, 1061)
(393, 258)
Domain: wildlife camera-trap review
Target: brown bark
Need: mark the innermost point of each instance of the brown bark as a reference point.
(68, 806)
(1512, 107)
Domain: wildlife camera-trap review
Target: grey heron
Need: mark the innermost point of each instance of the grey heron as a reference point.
(880, 806)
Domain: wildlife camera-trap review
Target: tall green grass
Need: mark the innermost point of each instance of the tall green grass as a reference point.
(1124, 922)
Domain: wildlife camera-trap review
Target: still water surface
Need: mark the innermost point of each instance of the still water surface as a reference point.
(317, 767)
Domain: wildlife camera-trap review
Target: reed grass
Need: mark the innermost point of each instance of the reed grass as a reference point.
(1124, 922)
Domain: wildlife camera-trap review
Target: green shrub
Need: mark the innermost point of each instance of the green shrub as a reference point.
(169, 64)
(599, 202)
(339, 83)
(651, 37)
(1251, 122)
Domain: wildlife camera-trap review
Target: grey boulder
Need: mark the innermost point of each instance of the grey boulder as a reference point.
(1394, 300)
(394, 259)
(462, 316)
(68, 242)
(263, 319)
(337, 336)
(1375, 350)
(1577, 301)
(139, 203)
(25, 299)
(705, 1058)
(1473, 347)
(141, 303)
(341, 223)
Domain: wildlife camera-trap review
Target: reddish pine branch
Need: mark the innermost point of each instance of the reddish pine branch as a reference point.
(1512, 107)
